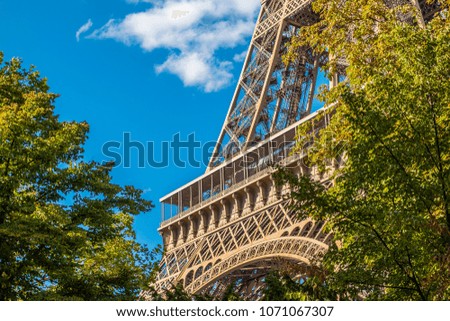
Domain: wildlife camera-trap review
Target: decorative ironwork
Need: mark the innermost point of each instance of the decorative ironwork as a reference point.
(233, 224)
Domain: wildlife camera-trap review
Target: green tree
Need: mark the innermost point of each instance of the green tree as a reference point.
(279, 286)
(389, 204)
(65, 229)
(176, 292)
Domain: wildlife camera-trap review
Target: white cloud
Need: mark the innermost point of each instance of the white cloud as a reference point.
(193, 31)
(195, 69)
(84, 28)
(240, 57)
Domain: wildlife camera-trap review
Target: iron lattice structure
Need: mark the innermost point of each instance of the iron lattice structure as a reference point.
(234, 224)
(270, 95)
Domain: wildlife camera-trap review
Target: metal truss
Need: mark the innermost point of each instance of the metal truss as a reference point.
(270, 95)
(234, 224)
(299, 249)
(242, 246)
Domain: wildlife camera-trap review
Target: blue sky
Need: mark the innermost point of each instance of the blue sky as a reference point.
(149, 68)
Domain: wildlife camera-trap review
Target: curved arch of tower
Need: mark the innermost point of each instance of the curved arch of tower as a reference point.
(234, 224)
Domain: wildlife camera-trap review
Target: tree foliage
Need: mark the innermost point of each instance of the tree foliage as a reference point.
(65, 229)
(277, 285)
(389, 205)
(176, 292)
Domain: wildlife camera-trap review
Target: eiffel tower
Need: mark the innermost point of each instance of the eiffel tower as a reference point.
(234, 224)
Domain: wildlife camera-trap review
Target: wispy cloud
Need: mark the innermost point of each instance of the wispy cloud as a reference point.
(193, 31)
(84, 28)
(240, 57)
(147, 190)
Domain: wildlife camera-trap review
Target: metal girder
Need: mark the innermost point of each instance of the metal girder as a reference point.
(237, 235)
(268, 89)
(271, 95)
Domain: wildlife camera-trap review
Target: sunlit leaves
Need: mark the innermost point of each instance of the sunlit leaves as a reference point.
(389, 205)
(66, 232)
